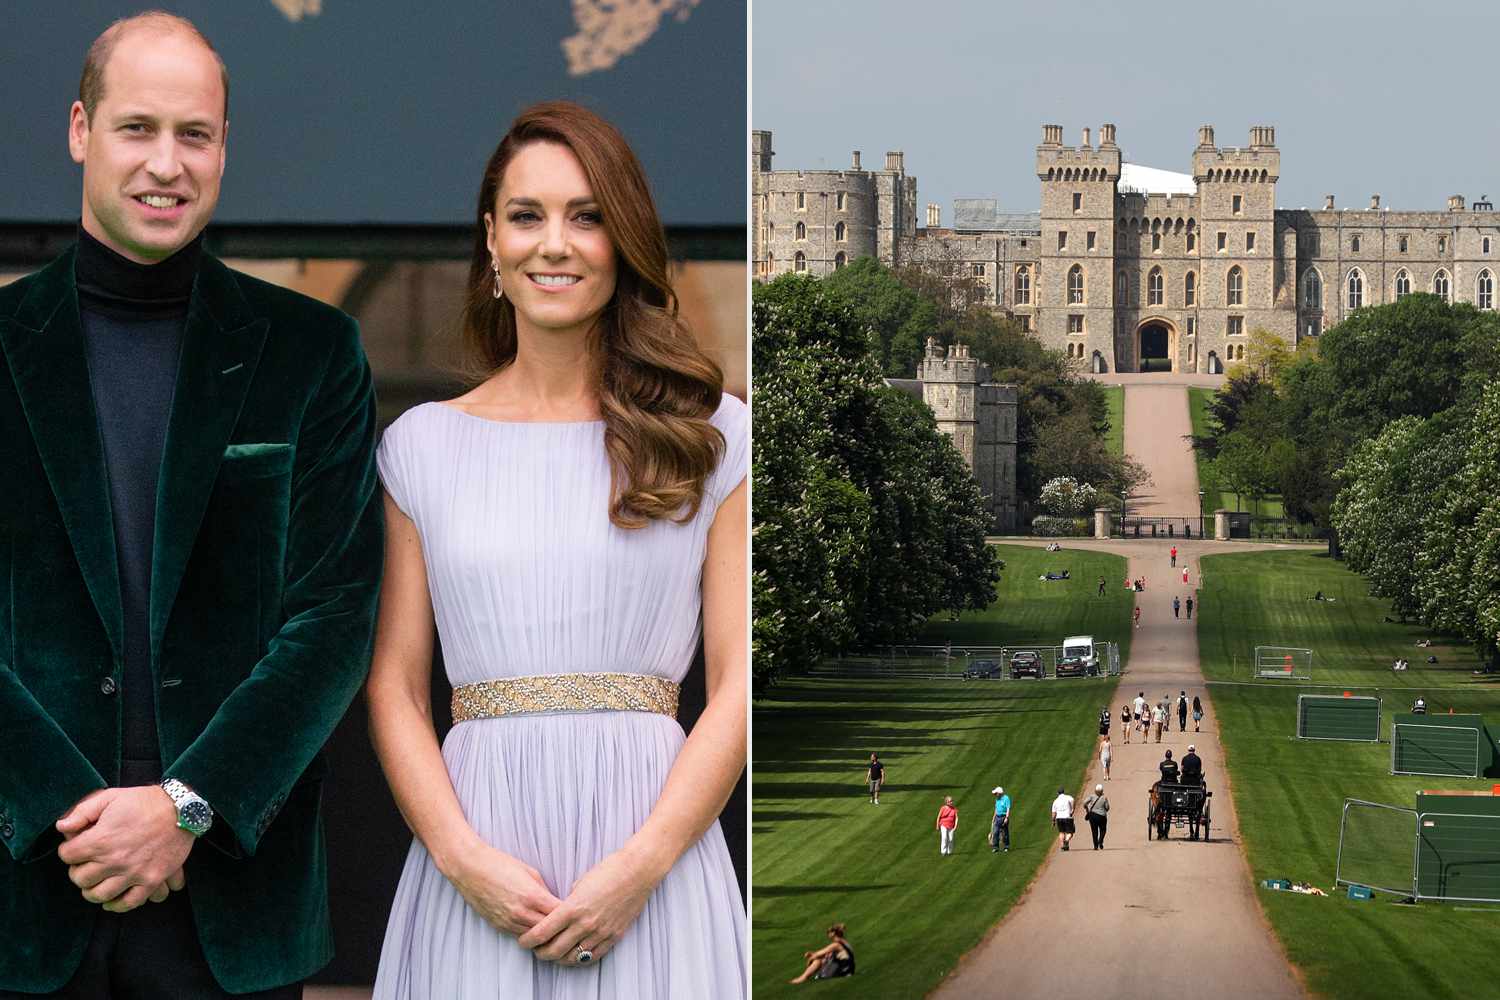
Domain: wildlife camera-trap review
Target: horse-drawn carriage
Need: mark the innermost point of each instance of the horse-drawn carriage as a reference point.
(1184, 805)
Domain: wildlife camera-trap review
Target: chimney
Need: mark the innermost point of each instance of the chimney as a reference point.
(934, 216)
(1456, 203)
(1206, 137)
(1051, 135)
(1374, 201)
(1328, 204)
(893, 162)
(1262, 137)
(1106, 136)
(1086, 143)
(856, 161)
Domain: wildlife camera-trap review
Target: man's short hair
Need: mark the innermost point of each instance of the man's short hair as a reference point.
(91, 84)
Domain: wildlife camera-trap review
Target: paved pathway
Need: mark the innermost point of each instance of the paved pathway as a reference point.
(1176, 909)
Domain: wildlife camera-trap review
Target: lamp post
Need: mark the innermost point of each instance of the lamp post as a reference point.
(1200, 513)
(1122, 513)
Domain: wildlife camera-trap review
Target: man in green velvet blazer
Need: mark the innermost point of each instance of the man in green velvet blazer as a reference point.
(190, 525)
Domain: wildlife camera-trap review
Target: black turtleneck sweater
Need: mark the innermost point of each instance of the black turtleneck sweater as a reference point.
(133, 321)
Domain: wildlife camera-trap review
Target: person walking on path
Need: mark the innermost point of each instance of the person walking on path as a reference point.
(1104, 755)
(947, 822)
(1137, 616)
(876, 777)
(1158, 719)
(1190, 607)
(1104, 719)
(1197, 714)
(1174, 555)
(1182, 709)
(1176, 607)
(1062, 816)
(1000, 828)
(1184, 576)
(1096, 811)
(1101, 586)
(1125, 721)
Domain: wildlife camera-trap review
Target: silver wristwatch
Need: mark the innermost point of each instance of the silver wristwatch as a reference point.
(193, 813)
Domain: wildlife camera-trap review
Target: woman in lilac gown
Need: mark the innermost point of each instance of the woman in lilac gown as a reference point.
(570, 527)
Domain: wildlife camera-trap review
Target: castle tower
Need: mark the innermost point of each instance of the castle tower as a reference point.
(1245, 263)
(1074, 297)
(980, 418)
(896, 208)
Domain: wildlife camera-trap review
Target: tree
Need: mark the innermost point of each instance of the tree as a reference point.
(1266, 355)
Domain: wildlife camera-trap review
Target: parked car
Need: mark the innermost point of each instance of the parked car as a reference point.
(1027, 663)
(981, 670)
(1079, 657)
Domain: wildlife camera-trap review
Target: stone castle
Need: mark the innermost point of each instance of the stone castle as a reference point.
(1130, 268)
(978, 415)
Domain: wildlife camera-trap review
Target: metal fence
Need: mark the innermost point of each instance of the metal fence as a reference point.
(1441, 856)
(1446, 751)
(1170, 526)
(953, 662)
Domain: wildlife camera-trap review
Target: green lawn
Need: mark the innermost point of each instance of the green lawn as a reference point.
(1289, 793)
(1198, 400)
(1114, 438)
(822, 853)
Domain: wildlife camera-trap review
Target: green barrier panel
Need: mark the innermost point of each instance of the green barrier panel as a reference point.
(1327, 717)
(1444, 745)
(1458, 847)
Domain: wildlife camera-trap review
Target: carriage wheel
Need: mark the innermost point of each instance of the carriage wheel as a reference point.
(1150, 822)
(1205, 822)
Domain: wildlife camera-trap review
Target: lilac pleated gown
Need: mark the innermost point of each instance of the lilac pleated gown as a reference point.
(528, 576)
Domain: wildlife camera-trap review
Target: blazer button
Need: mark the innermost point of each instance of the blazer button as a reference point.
(107, 686)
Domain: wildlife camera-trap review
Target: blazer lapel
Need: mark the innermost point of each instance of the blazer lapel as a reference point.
(220, 351)
(44, 348)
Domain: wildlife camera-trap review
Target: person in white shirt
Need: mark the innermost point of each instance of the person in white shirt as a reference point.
(1062, 817)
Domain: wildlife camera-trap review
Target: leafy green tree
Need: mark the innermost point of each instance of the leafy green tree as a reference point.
(899, 319)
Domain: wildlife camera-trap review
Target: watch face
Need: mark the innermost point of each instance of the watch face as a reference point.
(195, 817)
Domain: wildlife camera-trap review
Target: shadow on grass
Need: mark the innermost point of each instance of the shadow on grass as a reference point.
(827, 790)
(786, 815)
(805, 890)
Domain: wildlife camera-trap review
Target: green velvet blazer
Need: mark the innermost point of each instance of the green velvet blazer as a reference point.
(265, 576)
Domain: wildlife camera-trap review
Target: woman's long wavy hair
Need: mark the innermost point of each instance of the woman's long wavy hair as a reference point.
(657, 389)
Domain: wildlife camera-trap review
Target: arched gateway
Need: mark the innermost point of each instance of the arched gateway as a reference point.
(1156, 346)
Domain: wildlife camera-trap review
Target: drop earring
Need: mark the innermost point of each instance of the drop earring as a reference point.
(495, 266)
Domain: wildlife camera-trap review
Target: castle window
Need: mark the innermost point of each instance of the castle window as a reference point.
(1403, 284)
(1442, 244)
(1401, 244)
(1091, 239)
(1223, 241)
(841, 201)
(771, 230)
(1075, 286)
(1312, 244)
(1190, 289)
(1235, 287)
(1192, 325)
(1356, 289)
(1122, 289)
(1075, 323)
(801, 231)
(799, 262)
(1312, 328)
(1484, 246)
(1154, 287)
(1312, 290)
(801, 200)
(1440, 286)
(976, 270)
(839, 260)
(1077, 201)
(1023, 285)
(1062, 240)
(1484, 290)
(1156, 242)
(1354, 243)
(1192, 241)
(1025, 323)
(1237, 204)
(1236, 325)
(840, 232)
(1250, 242)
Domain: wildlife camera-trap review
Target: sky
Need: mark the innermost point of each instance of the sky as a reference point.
(1366, 96)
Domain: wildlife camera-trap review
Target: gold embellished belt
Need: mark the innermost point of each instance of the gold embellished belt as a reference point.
(564, 693)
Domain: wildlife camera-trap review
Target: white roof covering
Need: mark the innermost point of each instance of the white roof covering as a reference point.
(1154, 181)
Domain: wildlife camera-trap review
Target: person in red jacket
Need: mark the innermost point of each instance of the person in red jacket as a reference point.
(947, 822)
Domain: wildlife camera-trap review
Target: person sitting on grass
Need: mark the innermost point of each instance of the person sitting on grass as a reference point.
(1168, 768)
(832, 961)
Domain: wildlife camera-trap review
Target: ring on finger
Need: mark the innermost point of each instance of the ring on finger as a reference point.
(582, 955)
